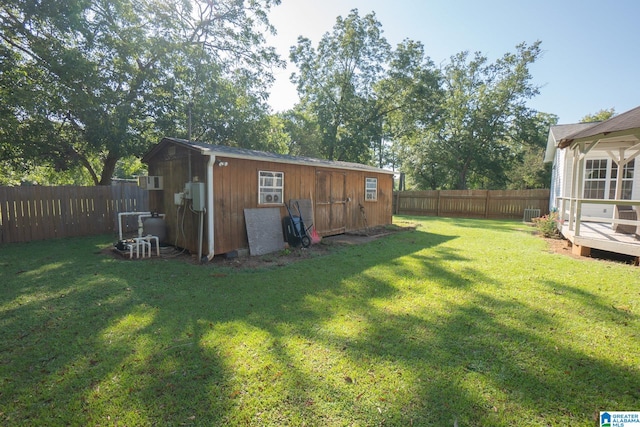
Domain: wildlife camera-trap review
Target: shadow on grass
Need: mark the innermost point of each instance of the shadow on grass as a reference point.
(84, 335)
(334, 340)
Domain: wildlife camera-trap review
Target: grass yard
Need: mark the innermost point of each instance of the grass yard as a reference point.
(466, 321)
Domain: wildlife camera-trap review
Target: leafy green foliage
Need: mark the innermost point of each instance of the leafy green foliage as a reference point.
(408, 98)
(471, 141)
(336, 82)
(465, 125)
(103, 79)
(130, 167)
(547, 224)
(527, 169)
(361, 93)
(600, 116)
(300, 128)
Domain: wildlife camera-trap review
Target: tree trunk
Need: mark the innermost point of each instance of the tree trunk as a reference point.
(462, 177)
(331, 142)
(87, 165)
(108, 169)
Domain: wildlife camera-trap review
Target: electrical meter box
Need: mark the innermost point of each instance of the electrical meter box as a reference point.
(198, 196)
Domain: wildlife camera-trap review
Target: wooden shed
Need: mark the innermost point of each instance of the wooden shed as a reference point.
(204, 189)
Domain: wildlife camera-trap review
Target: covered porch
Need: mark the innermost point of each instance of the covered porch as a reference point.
(602, 209)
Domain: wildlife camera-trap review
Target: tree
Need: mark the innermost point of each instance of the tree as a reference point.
(600, 116)
(97, 81)
(471, 141)
(528, 169)
(302, 132)
(407, 99)
(362, 94)
(336, 80)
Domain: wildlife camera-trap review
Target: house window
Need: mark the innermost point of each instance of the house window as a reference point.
(270, 188)
(371, 189)
(627, 180)
(595, 180)
(601, 178)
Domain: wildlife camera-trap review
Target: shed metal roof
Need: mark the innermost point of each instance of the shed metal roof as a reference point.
(245, 153)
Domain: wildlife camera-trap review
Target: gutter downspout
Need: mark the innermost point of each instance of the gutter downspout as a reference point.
(210, 210)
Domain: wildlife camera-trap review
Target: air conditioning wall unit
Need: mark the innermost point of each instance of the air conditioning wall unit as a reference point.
(150, 182)
(271, 197)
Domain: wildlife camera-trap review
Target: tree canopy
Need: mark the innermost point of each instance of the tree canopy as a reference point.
(91, 82)
(465, 124)
(473, 136)
(89, 85)
(360, 91)
(599, 116)
(336, 80)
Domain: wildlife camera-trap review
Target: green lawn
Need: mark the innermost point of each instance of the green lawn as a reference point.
(461, 320)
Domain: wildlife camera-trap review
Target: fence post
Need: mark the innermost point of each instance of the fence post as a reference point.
(397, 203)
(486, 204)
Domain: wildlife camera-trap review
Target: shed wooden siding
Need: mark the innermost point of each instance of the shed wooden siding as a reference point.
(236, 188)
(172, 164)
(378, 212)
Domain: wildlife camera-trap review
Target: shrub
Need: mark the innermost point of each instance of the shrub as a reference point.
(547, 224)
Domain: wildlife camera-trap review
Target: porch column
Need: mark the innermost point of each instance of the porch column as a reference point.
(580, 195)
(573, 192)
(620, 163)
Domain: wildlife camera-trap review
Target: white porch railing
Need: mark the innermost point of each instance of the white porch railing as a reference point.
(571, 210)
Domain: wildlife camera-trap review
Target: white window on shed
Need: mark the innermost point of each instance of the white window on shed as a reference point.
(270, 188)
(371, 189)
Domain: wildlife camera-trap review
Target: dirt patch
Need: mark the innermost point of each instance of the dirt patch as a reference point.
(292, 255)
(560, 246)
(242, 260)
(563, 247)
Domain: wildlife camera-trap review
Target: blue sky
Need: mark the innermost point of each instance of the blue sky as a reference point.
(591, 57)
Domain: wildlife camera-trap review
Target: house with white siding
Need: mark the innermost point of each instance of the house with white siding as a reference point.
(595, 184)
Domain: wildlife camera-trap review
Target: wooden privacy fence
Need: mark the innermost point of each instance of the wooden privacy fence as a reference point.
(39, 213)
(494, 204)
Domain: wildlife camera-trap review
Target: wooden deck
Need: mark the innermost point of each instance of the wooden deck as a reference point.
(595, 235)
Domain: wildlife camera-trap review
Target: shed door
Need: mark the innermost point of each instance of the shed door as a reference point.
(331, 203)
